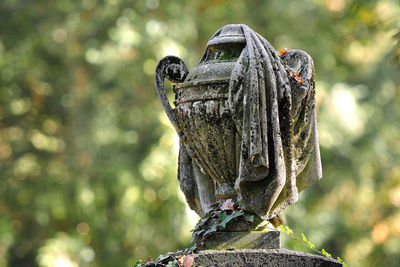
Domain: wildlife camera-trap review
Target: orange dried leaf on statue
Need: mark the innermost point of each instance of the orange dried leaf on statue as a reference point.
(297, 77)
(180, 260)
(228, 205)
(188, 261)
(144, 261)
(283, 51)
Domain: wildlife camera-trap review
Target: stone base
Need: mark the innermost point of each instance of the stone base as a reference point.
(261, 257)
(241, 240)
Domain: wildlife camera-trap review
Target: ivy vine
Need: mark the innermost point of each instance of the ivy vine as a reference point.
(306, 242)
(214, 221)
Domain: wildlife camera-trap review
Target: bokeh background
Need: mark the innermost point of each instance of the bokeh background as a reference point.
(87, 156)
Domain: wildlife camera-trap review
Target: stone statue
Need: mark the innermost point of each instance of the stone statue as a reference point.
(247, 124)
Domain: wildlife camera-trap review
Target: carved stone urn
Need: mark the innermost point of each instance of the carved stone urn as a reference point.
(246, 120)
(202, 110)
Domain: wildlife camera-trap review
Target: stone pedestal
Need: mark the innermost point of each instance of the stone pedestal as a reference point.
(261, 257)
(241, 240)
(251, 248)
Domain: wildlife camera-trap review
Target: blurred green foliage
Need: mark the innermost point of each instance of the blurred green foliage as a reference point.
(88, 158)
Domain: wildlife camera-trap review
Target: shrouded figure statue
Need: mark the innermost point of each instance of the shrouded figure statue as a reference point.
(247, 124)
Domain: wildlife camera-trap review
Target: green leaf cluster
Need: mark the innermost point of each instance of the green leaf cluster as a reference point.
(214, 221)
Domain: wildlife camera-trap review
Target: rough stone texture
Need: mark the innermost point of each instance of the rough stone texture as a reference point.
(247, 125)
(262, 257)
(246, 120)
(241, 240)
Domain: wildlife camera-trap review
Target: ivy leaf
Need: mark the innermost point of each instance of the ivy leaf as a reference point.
(199, 232)
(237, 214)
(193, 248)
(224, 220)
(304, 237)
(340, 260)
(172, 264)
(288, 230)
(249, 218)
(222, 216)
(208, 215)
(211, 230)
(203, 221)
(326, 253)
(227, 218)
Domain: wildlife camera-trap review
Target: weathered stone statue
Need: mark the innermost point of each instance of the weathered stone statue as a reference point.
(247, 123)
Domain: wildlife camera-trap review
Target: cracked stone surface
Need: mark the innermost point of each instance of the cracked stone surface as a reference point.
(262, 257)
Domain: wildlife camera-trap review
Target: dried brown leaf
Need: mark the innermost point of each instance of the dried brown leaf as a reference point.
(188, 261)
(228, 205)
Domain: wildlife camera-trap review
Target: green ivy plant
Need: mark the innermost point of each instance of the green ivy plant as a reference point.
(304, 241)
(206, 227)
(214, 221)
